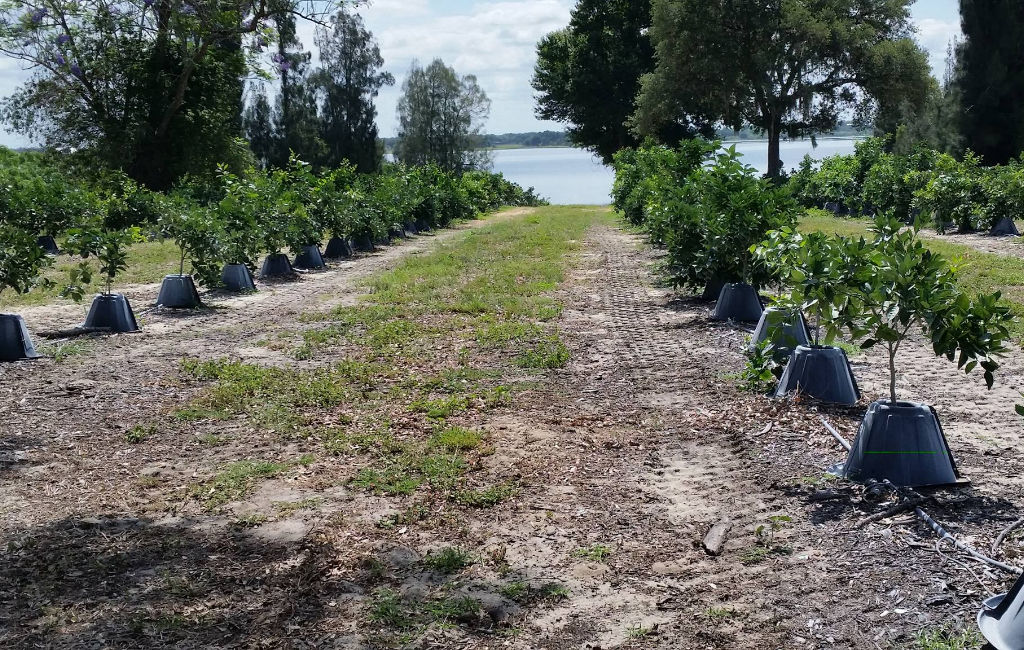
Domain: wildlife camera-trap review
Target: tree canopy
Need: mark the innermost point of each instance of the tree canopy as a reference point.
(588, 74)
(441, 117)
(781, 66)
(991, 78)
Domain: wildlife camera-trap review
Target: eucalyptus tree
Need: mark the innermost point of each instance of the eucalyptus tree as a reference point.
(348, 81)
(441, 117)
(788, 67)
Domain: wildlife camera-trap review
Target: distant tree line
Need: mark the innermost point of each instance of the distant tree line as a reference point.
(626, 70)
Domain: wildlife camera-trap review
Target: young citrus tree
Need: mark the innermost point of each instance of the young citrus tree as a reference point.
(901, 286)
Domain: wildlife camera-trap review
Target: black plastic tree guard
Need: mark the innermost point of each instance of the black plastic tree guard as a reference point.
(713, 289)
(383, 241)
(15, 342)
(309, 258)
(276, 266)
(364, 244)
(398, 232)
(902, 443)
(1001, 618)
(338, 248)
(178, 292)
(48, 244)
(422, 225)
(1006, 226)
(786, 328)
(411, 228)
(738, 301)
(821, 372)
(111, 311)
(237, 278)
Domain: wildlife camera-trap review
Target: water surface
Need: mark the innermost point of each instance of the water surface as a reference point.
(571, 176)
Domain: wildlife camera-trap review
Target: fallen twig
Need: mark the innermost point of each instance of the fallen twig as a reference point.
(1006, 533)
(902, 506)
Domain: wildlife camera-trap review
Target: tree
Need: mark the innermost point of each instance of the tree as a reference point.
(347, 83)
(150, 87)
(781, 66)
(441, 118)
(991, 79)
(259, 127)
(588, 75)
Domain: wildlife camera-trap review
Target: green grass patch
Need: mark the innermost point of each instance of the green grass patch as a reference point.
(442, 408)
(456, 439)
(594, 552)
(544, 355)
(948, 639)
(61, 352)
(234, 482)
(139, 433)
(449, 560)
(487, 497)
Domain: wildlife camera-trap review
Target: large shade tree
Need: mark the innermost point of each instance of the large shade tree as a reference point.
(783, 67)
(441, 117)
(588, 75)
(148, 86)
(991, 78)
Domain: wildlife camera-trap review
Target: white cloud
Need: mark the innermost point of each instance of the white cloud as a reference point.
(935, 35)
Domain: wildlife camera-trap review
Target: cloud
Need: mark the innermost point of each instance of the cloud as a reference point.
(496, 41)
(935, 35)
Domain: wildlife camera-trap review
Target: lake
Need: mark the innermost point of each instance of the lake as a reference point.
(568, 176)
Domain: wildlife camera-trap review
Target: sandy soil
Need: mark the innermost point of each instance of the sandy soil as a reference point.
(641, 444)
(996, 245)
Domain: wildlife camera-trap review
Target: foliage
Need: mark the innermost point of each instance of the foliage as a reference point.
(646, 175)
(198, 235)
(714, 219)
(348, 81)
(441, 117)
(991, 79)
(605, 40)
(783, 67)
(110, 247)
(954, 192)
(1003, 189)
(758, 374)
(903, 285)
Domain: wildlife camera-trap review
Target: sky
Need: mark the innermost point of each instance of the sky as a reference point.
(496, 40)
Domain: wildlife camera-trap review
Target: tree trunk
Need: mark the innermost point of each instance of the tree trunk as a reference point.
(774, 146)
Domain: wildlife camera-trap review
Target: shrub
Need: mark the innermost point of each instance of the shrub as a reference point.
(953, 192)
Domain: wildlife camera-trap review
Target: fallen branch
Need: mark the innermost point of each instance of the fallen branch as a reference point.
(76, 331)
(1006, 533)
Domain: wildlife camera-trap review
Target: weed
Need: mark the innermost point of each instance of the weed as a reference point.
(486, 498)
(234, 482)
(147, 482)
(442, 472)
(453, 609)
(594, 552)
(392, 480)
(766, 545)
(456, 439)
(251, 520)
(545, 355)
(63, 351)
(501, 334)
(638, 631)
(198, 413)
(758, 374)
(719, 613)
(517, 591)
(948, 639)
(386, 609)
(374, 567)
(138, 433)
(439, 409)
(285, 507)
(449, 560)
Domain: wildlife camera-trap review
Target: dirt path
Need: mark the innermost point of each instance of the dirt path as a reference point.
(622, 462)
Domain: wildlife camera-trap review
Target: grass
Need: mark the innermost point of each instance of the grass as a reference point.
(234, 482)
(978, 271)
(148, 263)
(456, 439)
(948, 639)
(594, 552)
(449, 560)
(60, 352)
(139, 433)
